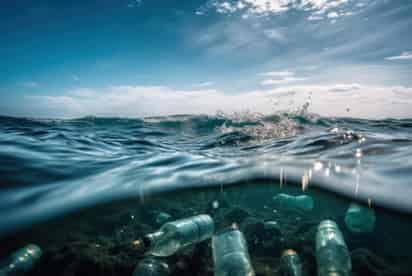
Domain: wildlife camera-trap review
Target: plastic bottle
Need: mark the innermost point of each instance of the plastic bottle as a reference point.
(360, 219)
(230, 254)
(152, 267)
(290, 264)
(332, 254)
(301, 202)
(162, 218)
(21, 261)
(175, 235)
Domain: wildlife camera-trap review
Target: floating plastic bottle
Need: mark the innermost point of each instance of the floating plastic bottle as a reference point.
(22, 261)
(301, 202)
(152, 267)
(360, 219)
(332, 254)
(162, 218)
(290, 264)
(175, 235)
(230, 254)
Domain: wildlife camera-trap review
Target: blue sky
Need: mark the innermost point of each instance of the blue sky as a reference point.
(160, 57)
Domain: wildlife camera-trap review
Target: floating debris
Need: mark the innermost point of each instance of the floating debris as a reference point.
(301, 202)
(162, 218)
(175, 235)
(290, 264)
(230, 254)
(152, 267)
(360, 219)
(332, 254)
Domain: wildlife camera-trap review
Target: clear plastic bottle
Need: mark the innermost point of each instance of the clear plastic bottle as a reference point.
(162, 218)
(360, 219)
(175, 235)
(332, 254)
(21, 261)
(152, 267)
(290, 264)
(301, 202)
(230, 254)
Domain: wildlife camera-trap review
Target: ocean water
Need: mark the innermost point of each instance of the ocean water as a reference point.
(85, 189)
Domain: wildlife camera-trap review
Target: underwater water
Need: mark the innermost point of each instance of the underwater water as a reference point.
(86, 189)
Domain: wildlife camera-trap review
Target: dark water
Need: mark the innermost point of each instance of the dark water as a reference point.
(73, 185)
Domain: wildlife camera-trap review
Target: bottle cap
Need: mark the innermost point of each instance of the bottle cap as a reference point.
(327, 224)
(289, 252)
(148, 240)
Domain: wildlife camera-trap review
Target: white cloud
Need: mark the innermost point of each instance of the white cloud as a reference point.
(345, 87)
(278, 74)
(231, 37)
(321, 6)
(275, 34)
(268, 6)
(280, 78)
(132, 101)
(402, 92)
(285, 80)
(315, 18)
(333, 15)
(204, 84)
(317, 7)
(226, 7)
(402, 56)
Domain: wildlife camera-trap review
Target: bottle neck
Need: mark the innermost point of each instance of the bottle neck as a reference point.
(150, 239)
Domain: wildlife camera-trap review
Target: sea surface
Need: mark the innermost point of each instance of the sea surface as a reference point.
(84, 189)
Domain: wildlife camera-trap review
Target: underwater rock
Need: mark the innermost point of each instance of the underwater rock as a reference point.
(299, 203)
(87, 258)
(21, 261)
(367, 263)
(230, 254)
(262, 235)
(360, 219)
(175, 235)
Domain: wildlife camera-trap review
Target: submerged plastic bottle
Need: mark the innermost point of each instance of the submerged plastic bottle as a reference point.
(301, 202)
(360, 219)
(332, 254)
(290, 264)
(152, 267)
(230, 254)
(175, 235)
(21, 261)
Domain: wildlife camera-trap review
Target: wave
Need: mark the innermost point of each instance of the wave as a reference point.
(50, 167)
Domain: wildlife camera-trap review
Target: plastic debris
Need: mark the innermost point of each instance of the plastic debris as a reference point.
(301, 202)
(360, 219)
(162, 218)
(332, 254)
(152, 267)
(230, 254)
(175, 235)
(290, 264)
